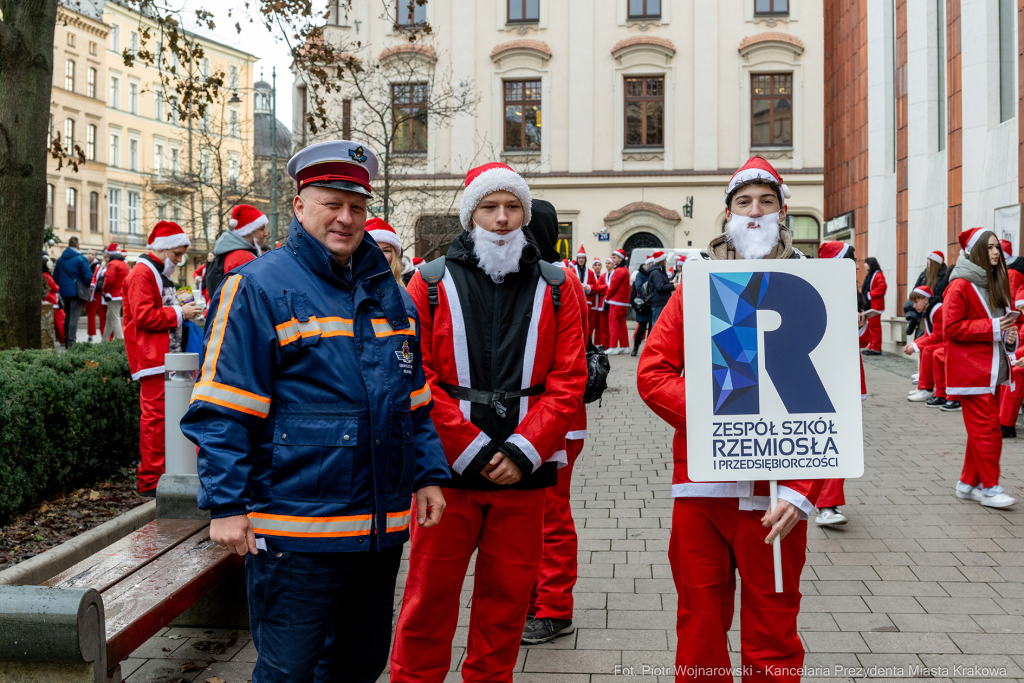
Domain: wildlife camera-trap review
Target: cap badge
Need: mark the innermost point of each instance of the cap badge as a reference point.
(357, 154)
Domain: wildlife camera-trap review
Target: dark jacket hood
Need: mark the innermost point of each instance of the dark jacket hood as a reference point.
(544, 229)
(229, 242)
(116, 256)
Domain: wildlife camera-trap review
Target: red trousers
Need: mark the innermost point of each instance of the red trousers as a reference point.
(58, 324)
(932, 370)
(1009, 401)
(592, 321)
(92, 308)
(711, 538)
(617, 333)
(552, 591)
(831, 494)
(984, 440)
(863, 382)
(151, 432)
(507, 529)
(602, 327)
(875, 333)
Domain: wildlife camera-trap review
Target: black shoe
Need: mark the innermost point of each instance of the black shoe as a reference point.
(634, 352)
(935, 402)
(148, 494)
(872, 352)
(951, 406)
(545, 630)
(1009, 432)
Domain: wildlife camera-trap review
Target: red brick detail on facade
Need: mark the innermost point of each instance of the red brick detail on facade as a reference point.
(523, 44)
(902, 196)
(408, 48)
(667, 214)
(771, 37)
(1020, 107)
(846, 115)
(644, 40)
(954, 118)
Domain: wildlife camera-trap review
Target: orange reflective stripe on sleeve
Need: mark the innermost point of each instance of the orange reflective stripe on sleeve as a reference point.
(418, 399)
(382, 328)
(311, 527)
(399, 521)
(231, 397)
(220, 322)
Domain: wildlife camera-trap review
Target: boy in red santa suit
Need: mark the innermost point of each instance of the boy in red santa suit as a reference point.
(153, 319)
(718, 528)
(503, 404)
(931, 377)
(599, 319)
(979, 335)
(241, 244)
(617, 300)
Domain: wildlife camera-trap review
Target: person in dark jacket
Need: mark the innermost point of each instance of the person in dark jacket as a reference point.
(661, 285)
(312, 418)
(935, 277)
(72, 270)
(641, 307)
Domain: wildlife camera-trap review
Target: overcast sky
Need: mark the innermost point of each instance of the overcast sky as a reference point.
(256, 40)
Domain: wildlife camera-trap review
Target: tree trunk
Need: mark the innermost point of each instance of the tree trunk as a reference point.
(26, 77)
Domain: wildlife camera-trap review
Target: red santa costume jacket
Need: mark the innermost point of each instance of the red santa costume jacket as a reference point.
(934, 328)
(554, 358)
(578, 430)
(114, 279)
(876, 295)
(618, 287)
(598, 295)
(972, 365)
(588, 279)
(147, 320)
(668, 400)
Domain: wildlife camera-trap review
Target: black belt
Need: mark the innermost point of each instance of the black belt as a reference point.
(490, 398)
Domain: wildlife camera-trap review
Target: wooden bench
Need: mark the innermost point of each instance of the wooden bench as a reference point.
(80, 624)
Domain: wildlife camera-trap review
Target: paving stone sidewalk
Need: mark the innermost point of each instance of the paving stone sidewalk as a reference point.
(916, 579)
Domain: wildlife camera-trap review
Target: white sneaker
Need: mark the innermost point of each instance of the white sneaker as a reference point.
(913, 391)
(993, 497)
(913, 378)
(964, 492)
(832, 516)
(920, 395)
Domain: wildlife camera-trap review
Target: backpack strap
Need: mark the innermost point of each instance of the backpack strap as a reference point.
(432, 273)
(555, 277)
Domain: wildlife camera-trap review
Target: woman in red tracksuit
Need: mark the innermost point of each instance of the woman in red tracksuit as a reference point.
(873, 291)
(979, 334)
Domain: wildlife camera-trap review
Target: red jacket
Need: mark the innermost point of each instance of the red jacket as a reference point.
(51, 298)
(147, 322)
(618, 287)
(664, 391)
(876, 295)
(578, 430)
(589, 279)
(598, 293)
(236, 258)
(555, 351)
(114, 279)
(973, 341)
(936, 331)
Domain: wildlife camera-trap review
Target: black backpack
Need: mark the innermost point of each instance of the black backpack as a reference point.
(213, 274)
(598, 368)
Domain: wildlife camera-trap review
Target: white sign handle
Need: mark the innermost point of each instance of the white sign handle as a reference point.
(777, 543)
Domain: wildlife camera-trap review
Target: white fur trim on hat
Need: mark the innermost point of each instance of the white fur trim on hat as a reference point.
(494, 180)
(932, 256)
(751, 174)
(649, 261)
(386, 237)
(251, 228)
(170, 242)
(661, 258)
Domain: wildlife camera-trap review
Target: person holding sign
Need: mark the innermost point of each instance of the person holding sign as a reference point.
(719, 527)
(980, 333)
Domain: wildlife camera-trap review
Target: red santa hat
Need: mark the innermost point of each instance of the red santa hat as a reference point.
(620, 253)
(968, 238)
(833, 250)
(609, 260)
(246, 219)
(649, 261)
(757, 167)
(1007, 249)
(167, 235)
(382, 233)
(581, 252)
(112, 248)
(417, 262)
(659, 256)
(597, 259)
(937, 256)
(483, 180)
(923, 290)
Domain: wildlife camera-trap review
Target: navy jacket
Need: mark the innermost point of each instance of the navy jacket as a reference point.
(312, 413)
(661, 285)
(72, 266)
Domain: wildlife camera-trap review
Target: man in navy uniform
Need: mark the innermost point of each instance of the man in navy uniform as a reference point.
(312, 421)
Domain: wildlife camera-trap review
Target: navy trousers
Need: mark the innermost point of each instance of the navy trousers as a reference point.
(321, 617)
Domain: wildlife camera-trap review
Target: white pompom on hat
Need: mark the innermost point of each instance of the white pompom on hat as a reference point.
(494, 177)
(246, 219)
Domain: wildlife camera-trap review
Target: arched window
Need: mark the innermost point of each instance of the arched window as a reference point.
(72, 202)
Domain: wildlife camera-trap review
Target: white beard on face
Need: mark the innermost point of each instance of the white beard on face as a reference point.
(753, 243)
(498, 260)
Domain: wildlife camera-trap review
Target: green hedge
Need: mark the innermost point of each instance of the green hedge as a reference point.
(66, 419)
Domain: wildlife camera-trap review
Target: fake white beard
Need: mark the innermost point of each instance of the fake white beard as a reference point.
(498, 260)
(753, 243)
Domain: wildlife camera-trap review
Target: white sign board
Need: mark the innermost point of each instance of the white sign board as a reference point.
(1007, 225)
(772, 370)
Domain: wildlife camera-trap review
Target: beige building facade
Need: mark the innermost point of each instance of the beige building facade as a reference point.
(628, 115)
(137, 161)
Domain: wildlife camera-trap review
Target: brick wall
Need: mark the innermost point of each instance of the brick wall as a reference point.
(900, 83)
(846, 115)
(954, 119)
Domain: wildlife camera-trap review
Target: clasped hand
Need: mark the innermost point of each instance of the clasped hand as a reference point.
(501, 470)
